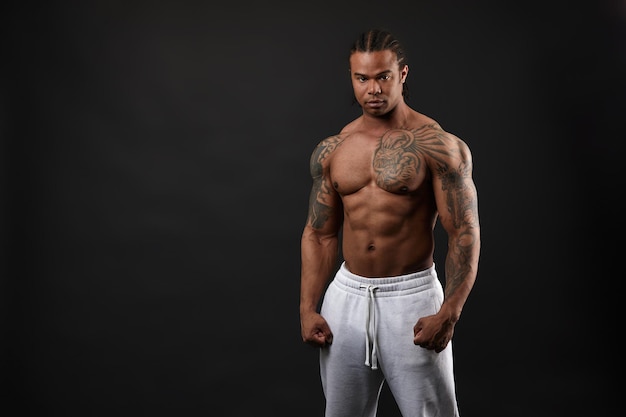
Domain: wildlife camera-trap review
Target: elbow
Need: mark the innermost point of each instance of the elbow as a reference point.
(319, 238)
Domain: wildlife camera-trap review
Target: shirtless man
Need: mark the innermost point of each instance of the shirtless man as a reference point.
(380, 185)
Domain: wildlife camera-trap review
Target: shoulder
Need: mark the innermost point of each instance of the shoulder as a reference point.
(321, 155)
(440, 147)
(326, 146)
(433, 133)
(452, 140)
(457, 146)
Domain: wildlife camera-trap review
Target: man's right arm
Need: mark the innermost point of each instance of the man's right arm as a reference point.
(319, 245)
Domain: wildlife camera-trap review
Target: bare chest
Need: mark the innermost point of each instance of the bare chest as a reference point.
(392, 162)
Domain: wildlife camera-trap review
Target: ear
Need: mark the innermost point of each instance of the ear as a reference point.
(403, 73)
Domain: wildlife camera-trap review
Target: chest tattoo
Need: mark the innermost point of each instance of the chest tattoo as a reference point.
(396, 160)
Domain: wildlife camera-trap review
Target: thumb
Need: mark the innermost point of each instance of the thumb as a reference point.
(325, 335)
(417, 336)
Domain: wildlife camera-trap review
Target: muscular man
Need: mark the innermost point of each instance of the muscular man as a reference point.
(380, 185)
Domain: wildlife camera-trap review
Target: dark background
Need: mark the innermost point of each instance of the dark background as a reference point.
(155, 184)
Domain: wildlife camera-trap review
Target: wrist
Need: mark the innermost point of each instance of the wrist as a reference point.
(450, 313)
(307, 308)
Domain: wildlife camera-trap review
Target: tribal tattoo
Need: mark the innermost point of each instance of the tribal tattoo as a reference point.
(399, 157)
(318, 211)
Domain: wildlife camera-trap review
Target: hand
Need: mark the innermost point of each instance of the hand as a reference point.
(315, 330)
(433, 333)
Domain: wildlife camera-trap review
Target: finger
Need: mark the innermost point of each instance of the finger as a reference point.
(441, 347)
(326, 333)
(324, 337)
(316, 341)
(418, 339)
(315, 338)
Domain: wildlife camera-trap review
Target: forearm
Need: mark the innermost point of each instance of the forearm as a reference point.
(461, 268)
(319, 258)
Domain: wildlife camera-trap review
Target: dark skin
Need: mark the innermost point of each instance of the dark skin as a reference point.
(384, 181)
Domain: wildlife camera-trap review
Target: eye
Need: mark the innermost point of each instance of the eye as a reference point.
(385, 77)
(360, 79)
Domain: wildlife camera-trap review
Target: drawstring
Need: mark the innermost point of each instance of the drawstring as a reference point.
(371, 358)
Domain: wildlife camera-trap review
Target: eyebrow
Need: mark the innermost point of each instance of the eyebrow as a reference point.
(377, 75)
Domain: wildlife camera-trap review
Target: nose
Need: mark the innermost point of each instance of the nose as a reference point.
(373, 87)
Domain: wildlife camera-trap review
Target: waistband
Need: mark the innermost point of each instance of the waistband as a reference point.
(386, 286)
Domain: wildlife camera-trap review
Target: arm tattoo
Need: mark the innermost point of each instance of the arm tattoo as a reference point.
(318, 211)
(460, 206)
(464, 215)
(428, 140)
(463, 210)
(458, 262)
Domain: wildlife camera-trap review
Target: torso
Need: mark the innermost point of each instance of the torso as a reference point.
(385, 184)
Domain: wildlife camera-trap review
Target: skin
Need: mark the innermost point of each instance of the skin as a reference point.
(383, 181)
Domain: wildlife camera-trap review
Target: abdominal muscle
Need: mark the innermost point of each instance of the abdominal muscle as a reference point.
(386, 234)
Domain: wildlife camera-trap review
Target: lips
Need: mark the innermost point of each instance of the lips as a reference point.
(375, 103)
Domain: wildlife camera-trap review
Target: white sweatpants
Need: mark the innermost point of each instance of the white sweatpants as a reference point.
(372, 322)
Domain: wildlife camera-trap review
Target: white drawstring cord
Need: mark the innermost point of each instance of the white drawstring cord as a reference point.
(371, 358)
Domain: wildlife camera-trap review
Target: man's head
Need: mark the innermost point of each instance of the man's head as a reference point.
(378, 71)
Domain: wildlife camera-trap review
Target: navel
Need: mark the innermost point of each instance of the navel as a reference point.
(371, 247)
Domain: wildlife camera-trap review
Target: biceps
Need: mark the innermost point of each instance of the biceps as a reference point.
(457, 204)
(323, 206)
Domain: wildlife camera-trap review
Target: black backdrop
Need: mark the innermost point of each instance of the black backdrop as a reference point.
(155, 185)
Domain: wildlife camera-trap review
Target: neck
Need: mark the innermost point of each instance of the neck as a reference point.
(396, 118)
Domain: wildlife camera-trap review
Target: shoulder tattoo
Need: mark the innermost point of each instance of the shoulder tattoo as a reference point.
(321, 152)
(402, 152)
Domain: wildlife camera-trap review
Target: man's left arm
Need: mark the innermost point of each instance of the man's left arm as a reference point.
(457, 203)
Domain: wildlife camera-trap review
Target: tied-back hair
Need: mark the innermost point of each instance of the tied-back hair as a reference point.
(375, 40)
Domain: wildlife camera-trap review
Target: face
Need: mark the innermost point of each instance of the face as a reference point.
(377, 81)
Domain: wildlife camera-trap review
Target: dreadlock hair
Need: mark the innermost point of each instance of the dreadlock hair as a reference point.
(381, 40)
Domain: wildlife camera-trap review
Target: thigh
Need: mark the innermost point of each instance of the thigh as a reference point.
(351, 388)
(421, 380)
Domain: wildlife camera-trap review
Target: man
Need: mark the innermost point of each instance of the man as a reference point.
(381, 184)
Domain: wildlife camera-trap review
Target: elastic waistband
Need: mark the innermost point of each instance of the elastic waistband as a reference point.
(387, 286)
